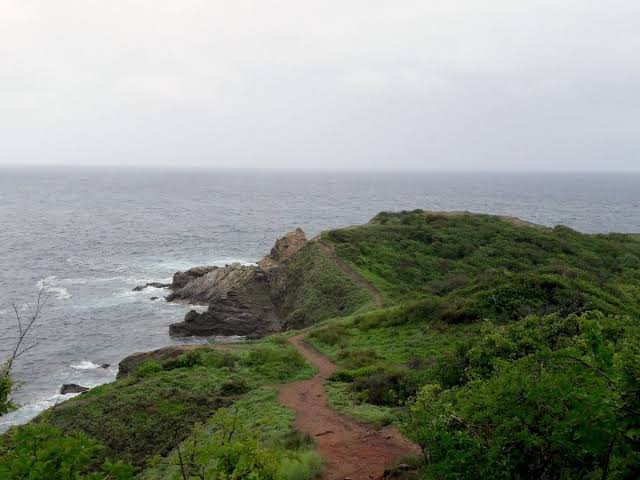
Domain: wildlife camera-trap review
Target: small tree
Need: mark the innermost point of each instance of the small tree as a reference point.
(24, 325)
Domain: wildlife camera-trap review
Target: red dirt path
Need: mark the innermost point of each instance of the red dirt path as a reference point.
(349, 448)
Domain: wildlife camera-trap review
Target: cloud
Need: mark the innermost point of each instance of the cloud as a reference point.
(358, 84)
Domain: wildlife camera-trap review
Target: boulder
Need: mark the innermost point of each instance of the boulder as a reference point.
(72, 388)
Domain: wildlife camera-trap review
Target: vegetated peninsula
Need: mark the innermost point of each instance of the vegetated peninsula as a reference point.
(419, 345)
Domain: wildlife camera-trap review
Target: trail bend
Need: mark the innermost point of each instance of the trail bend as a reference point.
(349, 448)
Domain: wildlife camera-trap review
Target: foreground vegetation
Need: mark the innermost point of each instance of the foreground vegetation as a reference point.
(505, 350)
(137, 424)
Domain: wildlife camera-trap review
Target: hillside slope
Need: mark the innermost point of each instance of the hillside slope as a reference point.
(503, 349)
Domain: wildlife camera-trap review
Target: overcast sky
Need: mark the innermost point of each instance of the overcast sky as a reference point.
(482, 85)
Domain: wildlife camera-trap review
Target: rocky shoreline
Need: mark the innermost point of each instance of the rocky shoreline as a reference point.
(241, 299)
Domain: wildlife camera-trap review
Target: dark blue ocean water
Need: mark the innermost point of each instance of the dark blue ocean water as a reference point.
(93, 234)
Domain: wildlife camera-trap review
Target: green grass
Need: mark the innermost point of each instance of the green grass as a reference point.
(140, 416)
(480, 266)
(260, 413)
(482, 314)
(367, 347)
(312, 289)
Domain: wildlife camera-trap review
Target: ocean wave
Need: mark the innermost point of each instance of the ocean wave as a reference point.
(86, 365)
(144, 293)
(29, 410)
(49, 286)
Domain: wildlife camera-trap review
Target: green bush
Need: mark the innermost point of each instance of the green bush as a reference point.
(42, 452)
(148, 368)
(386, 387)
(547, 398)
(332, 334)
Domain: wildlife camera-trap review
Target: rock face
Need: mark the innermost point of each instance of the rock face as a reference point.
(210, 284)
(284, 248)
(72, 388)
(238, 296)
(181, 279)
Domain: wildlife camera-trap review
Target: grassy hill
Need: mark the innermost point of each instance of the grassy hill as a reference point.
(504, 349)
(508, 350)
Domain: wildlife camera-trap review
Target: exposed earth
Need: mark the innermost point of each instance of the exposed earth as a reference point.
(350, 449)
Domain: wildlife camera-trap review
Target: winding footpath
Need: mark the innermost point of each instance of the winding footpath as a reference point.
(349, 448)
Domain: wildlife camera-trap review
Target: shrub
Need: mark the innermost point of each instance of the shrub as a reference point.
(545, 398)
(148, 368)
(43, 452)
(332, 334)
(234, 386)
(304, 466)
(386, 387)
(357, 358)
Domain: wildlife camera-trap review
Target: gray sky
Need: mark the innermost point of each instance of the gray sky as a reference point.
(493, 84)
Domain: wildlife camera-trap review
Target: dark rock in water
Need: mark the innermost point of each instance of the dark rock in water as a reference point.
(105, 365)
(139, 288)
(153, 298)
(72, 388)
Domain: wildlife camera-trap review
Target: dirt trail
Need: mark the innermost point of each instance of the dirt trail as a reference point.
(350, 449)
(353, 275)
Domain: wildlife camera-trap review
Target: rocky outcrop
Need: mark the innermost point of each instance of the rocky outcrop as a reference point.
(211, 284)
(284, 248)
(238, 296)
(239, 303)
(72, 388)
(181, 279)
(133, 361)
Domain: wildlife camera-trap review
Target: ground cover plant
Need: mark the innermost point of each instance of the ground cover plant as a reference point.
(150, 411)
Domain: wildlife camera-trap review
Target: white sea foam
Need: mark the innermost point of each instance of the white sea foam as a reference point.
(29, 410)
(50, 286)
(85, 365)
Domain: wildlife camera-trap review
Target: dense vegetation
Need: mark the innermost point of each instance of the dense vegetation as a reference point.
(469, 267)
(505, 350)
(144, 417)
(311, 288)
(509, 351)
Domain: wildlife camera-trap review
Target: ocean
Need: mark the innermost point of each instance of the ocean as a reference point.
(91, 235)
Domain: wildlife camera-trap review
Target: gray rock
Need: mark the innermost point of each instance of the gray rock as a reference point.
(72, 388)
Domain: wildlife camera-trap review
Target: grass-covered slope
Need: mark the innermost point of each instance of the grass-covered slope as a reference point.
(158, 407)
(492, 354)
(505, 350)
(468, 267)
(310, 288)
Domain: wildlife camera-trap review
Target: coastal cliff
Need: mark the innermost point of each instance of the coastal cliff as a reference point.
(256, 300)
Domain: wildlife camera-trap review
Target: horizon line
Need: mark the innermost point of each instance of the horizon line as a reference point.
(310, 169)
